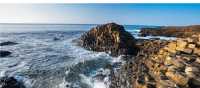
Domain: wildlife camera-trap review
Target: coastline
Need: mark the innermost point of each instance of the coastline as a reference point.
(158, 63)
(169, 63)
(132, 72)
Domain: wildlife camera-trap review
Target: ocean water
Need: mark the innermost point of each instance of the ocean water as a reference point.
(40, 61)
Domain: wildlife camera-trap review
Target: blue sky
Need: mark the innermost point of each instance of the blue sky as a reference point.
(142, 14)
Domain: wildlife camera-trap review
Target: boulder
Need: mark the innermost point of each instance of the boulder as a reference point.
(4, 53)
(111, 38)
(8, 43)
(10, 82)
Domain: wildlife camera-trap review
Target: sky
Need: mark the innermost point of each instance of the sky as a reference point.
(130, 14)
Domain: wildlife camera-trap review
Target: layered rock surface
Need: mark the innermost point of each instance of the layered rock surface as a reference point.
(111, 38)
(172, 64)
(171, 31)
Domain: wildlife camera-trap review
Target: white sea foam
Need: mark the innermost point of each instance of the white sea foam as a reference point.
(117, 59)
(62, 84)
(152, 37)
(93, 83)
(99, 84)
(28, 83)
(3, 73)
(37, 54)
(67, 72)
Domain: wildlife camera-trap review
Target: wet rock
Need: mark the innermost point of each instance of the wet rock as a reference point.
(10, 82)
(4, 53)
(8, 43)
(155, 38)
(111, 38)
(100, 77)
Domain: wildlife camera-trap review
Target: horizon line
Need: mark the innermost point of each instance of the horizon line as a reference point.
(75, 24)
(93, 24)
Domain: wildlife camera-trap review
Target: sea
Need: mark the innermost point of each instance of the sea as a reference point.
(46, 56)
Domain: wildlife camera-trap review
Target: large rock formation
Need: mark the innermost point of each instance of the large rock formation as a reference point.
(171, 31)
(169, 64)
(111, 38)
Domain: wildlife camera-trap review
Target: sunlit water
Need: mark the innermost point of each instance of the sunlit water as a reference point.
(42, 62)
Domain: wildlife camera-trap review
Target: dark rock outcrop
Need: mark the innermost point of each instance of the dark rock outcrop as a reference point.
(171, 31)
(111, 38)
(10, 82)
(8, 43)
(4, 53)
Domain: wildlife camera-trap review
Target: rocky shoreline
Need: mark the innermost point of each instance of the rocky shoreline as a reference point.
(175, 64)
(171, 31)
(159, 63)
(149, 63)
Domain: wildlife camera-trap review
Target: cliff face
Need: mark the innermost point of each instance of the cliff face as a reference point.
(171, 31)
(173, 64)
(111, 38)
